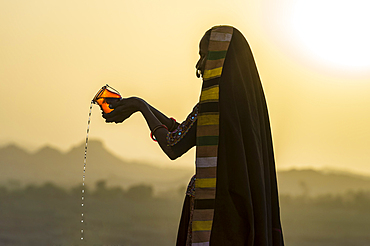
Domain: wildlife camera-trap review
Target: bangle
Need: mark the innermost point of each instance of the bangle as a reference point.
(173, 125)
(156, 128)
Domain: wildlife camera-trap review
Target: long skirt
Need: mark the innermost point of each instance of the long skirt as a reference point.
(182, 234)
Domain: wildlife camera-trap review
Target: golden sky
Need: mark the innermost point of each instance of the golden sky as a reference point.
(313, 58)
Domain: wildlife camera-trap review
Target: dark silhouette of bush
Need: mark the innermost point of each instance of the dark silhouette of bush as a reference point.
(359, 200)
(3, 191)
(353, 200)
(140, 192)
(45, 191)
(101, 185)
(77, 190)
(103, 192)
(328, 201)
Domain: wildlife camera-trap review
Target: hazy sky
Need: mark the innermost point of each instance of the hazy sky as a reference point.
(314, 65)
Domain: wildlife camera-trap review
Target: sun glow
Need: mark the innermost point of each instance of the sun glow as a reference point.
(335, 31)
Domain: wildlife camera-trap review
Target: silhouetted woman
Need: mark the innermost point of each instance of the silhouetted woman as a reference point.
(233, 198)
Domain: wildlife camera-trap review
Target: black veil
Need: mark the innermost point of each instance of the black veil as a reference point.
(246, 205)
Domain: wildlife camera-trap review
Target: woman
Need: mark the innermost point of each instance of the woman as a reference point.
(232, 199)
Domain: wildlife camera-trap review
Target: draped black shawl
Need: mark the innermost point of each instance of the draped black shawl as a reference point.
(246, 204)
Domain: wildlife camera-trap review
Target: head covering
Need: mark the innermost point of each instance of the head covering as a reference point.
(236, 197)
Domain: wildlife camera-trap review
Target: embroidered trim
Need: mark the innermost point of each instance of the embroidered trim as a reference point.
(175, 136)
(190, 191)
(189, 239)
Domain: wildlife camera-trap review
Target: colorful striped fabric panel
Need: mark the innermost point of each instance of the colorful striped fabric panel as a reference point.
(207, 137)
(217, 49)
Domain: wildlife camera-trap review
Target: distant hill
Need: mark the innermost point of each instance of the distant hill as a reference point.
(65, 169)
(18, 166)
(313, 182)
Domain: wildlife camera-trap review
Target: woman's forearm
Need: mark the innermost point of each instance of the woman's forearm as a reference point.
(157, 122)
(150, 116)
(169, 123)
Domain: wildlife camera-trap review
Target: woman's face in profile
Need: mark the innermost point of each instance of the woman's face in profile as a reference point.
(203, 51)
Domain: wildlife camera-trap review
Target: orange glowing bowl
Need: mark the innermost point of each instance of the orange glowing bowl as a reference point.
(105, 97)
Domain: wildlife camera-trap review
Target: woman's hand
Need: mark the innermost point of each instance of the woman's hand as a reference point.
(123, 109)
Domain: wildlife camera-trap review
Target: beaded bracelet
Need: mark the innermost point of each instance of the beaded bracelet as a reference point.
(156, 128)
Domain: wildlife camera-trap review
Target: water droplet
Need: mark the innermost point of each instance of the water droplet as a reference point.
(84, 169)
